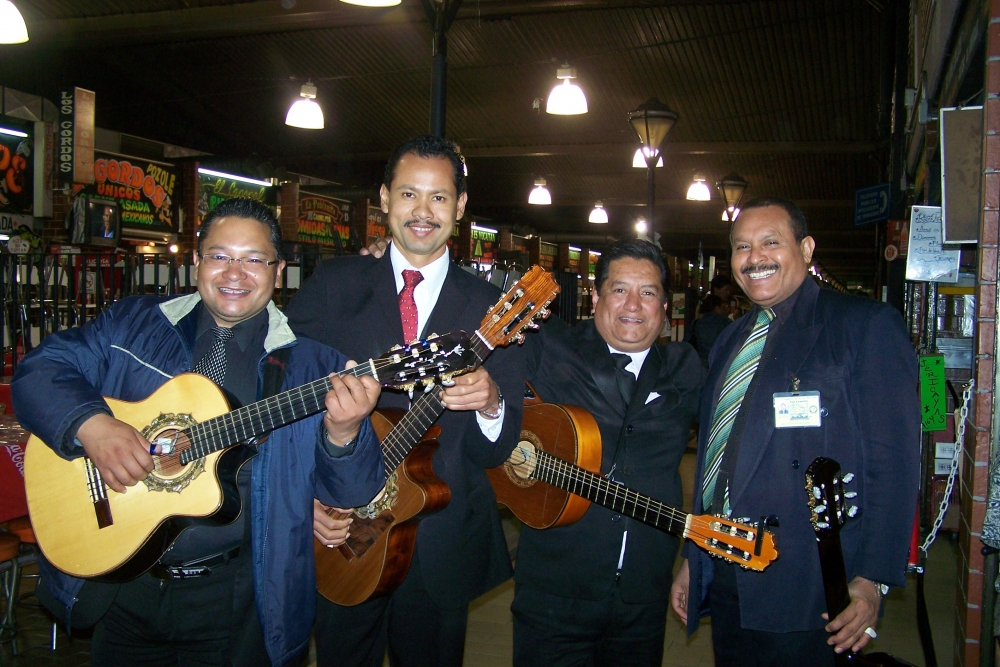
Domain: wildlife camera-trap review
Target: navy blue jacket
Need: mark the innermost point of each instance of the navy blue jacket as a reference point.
(137, 345)
(857, 354)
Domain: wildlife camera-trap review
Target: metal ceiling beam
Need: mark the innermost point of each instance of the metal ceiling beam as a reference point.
(711, 209)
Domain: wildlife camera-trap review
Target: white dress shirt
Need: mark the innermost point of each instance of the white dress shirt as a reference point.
(425, 296)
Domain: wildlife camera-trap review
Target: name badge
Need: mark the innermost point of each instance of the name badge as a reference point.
(799, 409)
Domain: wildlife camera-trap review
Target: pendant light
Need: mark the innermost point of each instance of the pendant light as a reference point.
(372, 3)
(567, 98)
(12, 28)
(305, 113)
(599, 216)
(540, 195)
(698, 191)
(730, 214)
(639, 159)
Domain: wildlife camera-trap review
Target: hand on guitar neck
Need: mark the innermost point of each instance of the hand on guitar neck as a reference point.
(348, 402)
(861, 614)
(472, 391)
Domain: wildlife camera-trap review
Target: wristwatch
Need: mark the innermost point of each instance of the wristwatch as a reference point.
(883, 589)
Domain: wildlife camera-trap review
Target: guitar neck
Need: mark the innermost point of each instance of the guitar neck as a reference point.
(601, 491)
(265, 416)
(422, 414)
(831, 562)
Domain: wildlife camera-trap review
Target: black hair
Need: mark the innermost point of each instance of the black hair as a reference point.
(244, 207)
(719, 281)
(709, 303)
(796, 218)
(631, 249)
(428, 146)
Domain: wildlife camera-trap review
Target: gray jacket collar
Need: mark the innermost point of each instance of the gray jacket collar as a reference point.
(279, 334)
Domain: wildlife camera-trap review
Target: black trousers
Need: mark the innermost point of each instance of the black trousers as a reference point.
(555, 631)
(197, 622)
(415, 630)
(736, 647)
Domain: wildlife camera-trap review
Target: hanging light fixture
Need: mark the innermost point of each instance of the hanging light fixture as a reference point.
(731, 187)
(305, 113)
(698, 191)
(567, 98)
(599, 215)
(639, 159)
(372, 3)
(540, 195)
(730, 214)
(641, 227)
(12, 28)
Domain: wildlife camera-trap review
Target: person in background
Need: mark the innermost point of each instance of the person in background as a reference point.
(714, 318)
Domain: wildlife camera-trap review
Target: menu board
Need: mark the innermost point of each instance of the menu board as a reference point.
(377, 226)
(927, 258)
(518, 243)
(213, 190)
(145, 191)
(484, 245)
(547, 256)
(17, 181)
(322, 218)
(574, 260)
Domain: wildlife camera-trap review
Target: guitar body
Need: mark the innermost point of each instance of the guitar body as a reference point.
(567, 432)
(144, 521)
(348, 578)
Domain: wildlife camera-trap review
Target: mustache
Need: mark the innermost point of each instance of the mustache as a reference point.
(759, 267)
(409, 223)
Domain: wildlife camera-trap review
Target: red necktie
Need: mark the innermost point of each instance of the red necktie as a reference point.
(407, 306)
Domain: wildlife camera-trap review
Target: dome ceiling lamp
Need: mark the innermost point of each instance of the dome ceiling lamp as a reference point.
(567, 98)
(652, 122)
(12, 28)
(540, 195)
(731, 187)
(599, 215)
(305, 113)
(698, 190)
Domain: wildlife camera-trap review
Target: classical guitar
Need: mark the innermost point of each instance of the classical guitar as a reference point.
(88, 530)
(829, 512)
(560, 446)
(377, 555)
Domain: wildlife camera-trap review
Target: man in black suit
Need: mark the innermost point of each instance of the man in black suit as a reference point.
(364, 303)
(596, 591)
(855, 356)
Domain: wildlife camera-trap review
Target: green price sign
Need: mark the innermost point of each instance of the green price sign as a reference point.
(933, 399)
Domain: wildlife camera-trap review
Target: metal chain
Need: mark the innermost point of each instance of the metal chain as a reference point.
(963, 415)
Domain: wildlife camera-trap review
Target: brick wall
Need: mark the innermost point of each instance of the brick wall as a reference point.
(290, 211)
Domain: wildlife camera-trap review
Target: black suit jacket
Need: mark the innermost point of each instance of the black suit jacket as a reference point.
(857, 354)
(573, 366)
(351, 302)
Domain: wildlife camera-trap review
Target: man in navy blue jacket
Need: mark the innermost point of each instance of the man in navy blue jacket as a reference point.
(853, 357)
(244, 593)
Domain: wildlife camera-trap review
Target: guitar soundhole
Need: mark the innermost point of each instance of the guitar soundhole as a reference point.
(521, 463)
(169, 465)
(169, 431)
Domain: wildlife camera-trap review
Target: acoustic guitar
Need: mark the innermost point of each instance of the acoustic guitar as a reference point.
(560, 447)
(88, 530)
(829, 512)
(377, 555)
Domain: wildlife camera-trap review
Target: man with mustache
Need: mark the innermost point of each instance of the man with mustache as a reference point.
(370, 303)
(852, 358)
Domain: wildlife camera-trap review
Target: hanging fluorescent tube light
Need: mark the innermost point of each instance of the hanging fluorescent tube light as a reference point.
(698, 191)
(639, 160)
(567, 98)
(484, 229)
(305, 113)
(599, 216)
(242, 179)
(13, 133)
(540, 195)
(12, 28)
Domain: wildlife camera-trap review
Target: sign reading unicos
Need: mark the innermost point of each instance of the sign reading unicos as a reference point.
(143, 189)
(320, 218)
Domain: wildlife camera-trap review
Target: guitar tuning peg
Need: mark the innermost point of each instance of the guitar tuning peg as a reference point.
(395, 347)
(519, 338)
(544, 312)
(823, 525)
(533, 326)
(819, 509)
(848, 478)
(817, 494)
(852, 511)
(851, 494)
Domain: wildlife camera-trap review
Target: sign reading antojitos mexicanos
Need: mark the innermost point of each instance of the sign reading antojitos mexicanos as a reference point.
(320, 218)
(144, 190)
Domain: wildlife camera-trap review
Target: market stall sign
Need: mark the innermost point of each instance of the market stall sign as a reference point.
(144, 190)
(76, 136)
(548, 252)
(377, 225)
(213, 190)
(17, 196)
(483, 244)
(933, 400)
(320, 218)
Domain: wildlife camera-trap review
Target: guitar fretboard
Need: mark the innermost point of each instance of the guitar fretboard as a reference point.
(617, 498)
(422, 413)
(264, 416)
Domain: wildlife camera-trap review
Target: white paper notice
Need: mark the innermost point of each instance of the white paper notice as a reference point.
(927, 258)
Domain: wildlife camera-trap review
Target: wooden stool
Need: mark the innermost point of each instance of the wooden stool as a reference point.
(10, 547)
(21, 527)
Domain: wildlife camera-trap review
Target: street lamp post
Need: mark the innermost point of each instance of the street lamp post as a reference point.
(652, 122)
(731, 187)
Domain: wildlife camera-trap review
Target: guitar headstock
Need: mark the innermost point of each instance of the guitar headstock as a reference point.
(737, 540)
(518, 309)
(424, 361)
(828, 510)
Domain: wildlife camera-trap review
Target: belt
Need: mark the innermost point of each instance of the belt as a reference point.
(200, 567)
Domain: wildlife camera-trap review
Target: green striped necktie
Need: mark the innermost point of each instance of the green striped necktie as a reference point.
(738, 378)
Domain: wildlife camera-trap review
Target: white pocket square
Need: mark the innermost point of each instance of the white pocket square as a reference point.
(652, 397)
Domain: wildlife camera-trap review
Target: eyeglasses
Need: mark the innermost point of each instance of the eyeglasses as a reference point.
(248, 264)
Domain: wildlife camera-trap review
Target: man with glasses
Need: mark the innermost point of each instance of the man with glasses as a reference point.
(244, 593)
